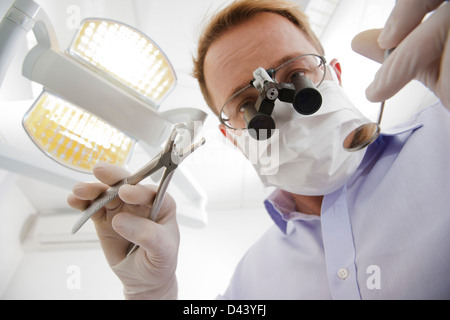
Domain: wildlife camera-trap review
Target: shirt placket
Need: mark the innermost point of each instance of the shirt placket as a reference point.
(339, 247)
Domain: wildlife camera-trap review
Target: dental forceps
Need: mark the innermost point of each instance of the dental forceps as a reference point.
(169, 158)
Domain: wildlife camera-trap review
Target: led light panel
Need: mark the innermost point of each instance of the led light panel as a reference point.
(127, 56)
(74, 137)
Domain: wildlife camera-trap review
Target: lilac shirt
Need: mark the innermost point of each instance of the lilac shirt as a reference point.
(384, 235)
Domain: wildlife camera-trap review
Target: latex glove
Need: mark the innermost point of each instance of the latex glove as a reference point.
(422, 49)
(149, 273)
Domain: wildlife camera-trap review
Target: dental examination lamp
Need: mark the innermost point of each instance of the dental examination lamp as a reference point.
(15, 25)
(101, 96)
(111, 77)
(301, 92)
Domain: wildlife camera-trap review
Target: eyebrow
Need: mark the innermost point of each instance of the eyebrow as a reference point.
(286, 58)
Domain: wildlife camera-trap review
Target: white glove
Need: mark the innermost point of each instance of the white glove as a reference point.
(422, 49)
(149, 273)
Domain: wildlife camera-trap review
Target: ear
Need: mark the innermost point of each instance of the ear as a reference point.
(336, 65)
(226, 134)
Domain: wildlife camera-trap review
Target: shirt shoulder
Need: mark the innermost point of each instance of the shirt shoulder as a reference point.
(398, 206)
(424, 138)
(280, 266)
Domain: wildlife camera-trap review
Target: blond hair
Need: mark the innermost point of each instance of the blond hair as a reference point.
(238, 12)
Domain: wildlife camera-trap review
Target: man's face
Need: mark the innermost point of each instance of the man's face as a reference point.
(267, 40)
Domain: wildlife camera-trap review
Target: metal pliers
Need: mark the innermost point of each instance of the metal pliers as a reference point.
(169, 158)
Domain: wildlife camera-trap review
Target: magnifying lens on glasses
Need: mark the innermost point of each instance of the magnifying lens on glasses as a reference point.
(301, 92)
(307, 100)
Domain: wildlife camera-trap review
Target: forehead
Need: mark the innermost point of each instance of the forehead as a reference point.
(262, 41)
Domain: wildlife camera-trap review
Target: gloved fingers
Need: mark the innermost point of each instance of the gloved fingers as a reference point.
(158, 240)
(138, 194)
(84, 193)
(366, 44)
(109, 174)
(135, 226)
(145, 195)
(404, 18)
(88, 191)
(77, 203)
(413, 57)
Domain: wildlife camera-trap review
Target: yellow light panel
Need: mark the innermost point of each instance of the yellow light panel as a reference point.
(74, 137)
(125, 55)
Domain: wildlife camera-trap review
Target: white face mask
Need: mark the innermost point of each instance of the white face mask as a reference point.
(305, 155)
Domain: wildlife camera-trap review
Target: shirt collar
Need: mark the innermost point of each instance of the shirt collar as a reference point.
(282, 209)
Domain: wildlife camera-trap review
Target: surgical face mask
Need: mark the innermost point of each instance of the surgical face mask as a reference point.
(305, 155)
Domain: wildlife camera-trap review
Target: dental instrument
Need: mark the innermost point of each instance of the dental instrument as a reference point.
(169, 158)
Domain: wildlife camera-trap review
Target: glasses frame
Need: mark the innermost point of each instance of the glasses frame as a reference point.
(272, 73)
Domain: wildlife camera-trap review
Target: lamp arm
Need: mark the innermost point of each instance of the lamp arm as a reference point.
(46, 39)
(18, 21)
(44, 32)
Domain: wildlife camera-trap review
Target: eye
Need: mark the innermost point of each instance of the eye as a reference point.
(296, 75)
(244, 105)
(293, 75)
(285, 74)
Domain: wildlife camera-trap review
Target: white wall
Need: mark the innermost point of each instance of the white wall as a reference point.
(14, 211)
(206, 262)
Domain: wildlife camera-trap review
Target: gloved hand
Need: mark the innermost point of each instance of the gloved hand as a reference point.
(422, 49)
(148, 273)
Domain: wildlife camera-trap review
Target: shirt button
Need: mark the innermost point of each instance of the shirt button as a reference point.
(342, 273)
